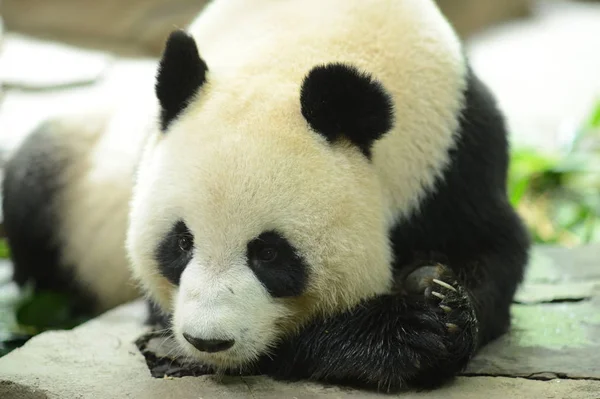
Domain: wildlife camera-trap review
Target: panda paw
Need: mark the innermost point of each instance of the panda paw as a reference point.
(441, 290)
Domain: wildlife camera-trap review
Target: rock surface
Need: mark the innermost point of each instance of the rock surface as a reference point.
(556, 320)
(552, 352)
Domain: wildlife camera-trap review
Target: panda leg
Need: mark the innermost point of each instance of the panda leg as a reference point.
(388, 342)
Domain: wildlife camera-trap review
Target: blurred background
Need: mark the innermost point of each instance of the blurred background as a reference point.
(540, 57)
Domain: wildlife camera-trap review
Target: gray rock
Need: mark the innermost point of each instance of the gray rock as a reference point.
(558, 275)
(100, 360)
(560, 338)
(559, 265)
(12, 390)
(556, 325)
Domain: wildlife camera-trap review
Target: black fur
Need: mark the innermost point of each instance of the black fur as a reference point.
(338, 100)
(286, 274)
(172, 258)
(181, 73)
(468, 222)
(30, 187)
(385, 344)
(396, 341)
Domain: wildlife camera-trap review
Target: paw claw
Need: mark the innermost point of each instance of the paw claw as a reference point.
(452, 327)
(444, 284)
(446, 309)
(446, 297)
(437, 294)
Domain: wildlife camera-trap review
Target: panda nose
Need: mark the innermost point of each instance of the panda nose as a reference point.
(209, 345)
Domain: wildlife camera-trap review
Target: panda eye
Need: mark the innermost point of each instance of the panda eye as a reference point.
(185, 243)
(267, 254)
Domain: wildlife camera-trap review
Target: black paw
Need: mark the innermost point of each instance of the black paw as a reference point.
(447, 301)
(441, 289)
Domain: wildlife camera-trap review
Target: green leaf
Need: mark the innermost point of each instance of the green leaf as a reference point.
(527, 162)
(594, 121)
(47, 310)
(517, 190)
(4, 249)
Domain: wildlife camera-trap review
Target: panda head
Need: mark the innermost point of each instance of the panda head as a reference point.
(256, 205)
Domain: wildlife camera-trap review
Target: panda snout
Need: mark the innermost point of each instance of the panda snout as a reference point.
(209, 345)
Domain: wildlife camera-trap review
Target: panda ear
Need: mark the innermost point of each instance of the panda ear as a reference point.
(338, 100)
(181, 73)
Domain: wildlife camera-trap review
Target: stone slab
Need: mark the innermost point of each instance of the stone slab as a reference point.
(555, 264)
(99, 360)
(556, 322)
(546, 341)
(555, 275)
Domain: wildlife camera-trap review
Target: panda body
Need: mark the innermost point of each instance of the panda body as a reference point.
(65, 194)
(318, 192)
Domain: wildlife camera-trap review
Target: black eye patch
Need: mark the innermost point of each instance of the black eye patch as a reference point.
(174, 252)
(277, 264)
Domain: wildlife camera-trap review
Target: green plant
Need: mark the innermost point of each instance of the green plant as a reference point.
(4, 250)
(24, 314)
(558, 194)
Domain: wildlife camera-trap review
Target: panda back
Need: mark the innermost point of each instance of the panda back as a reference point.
(65, 194)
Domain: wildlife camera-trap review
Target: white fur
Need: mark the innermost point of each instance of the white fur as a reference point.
(227, 301)
(406, 44)
(241, 159)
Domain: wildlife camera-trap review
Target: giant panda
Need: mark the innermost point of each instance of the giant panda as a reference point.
(316, 190)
